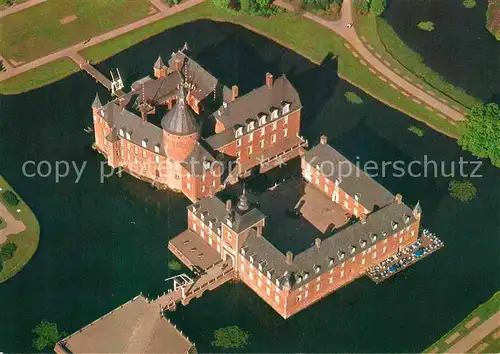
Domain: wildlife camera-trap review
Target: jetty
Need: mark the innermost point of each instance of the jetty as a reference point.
(427, 244)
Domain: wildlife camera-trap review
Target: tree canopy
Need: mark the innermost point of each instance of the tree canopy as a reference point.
(462, 190)
(230, 337)
(47, 335)
(377, 7)
(482, 136)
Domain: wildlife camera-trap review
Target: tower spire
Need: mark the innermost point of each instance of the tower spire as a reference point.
(97, 102)
(243, 201)
(417, 210)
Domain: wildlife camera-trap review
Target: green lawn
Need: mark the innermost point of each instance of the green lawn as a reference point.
(26, 241)
(43, 75)
(36, 31)
(484, 311)
(2, 224)
(386, 42)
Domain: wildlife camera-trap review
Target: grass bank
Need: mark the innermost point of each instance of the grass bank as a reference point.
(305, 37)
(26, 241)
(385, 41)
(41, 76)
(493, 18)
(57, 24)
(483, 312)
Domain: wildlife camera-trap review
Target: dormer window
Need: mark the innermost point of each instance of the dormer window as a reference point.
(356, 197)
(330, 262)
(210, 225)
(251, 259)
(352, 249)
(262, 119)
(274, 113)
(277, 282)
(157, 148)
(299, 279)
(128, 135)
(144, 143)
(122, 132)
(305, 275)
(250, 126)
(394, 225)
(407, 219)
(362, 243)
(206, 165)
(286, 107)
(340, 254)
(317, 268)
(218, 231)
(373, 237)
(384, 233)
(229, 222)
(268, 274)
(224, 104)
(243, 251)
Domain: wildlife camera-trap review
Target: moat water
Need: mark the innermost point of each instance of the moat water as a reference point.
(102, 244)
(460, 48)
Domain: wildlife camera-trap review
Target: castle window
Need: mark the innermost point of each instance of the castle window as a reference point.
(330, 280)
(305, 275)
(262, 119)
(239, 132)
(394, 225)
(144, 143)
(250, 137)
(122, 133)
(273, 138)
(407, 219)
(274, 113)
(275, 125)
(268, 292)
(286, 107)
(259, 283)
(203, 189)
(144, 153)
(157, 159)
(330, 262)
(373, 237)
(384, 233)
(362, 243)
(128, 135)
(261, 144)
(189, 186)
(340, 254)
(250, 126)
(262, 131)
(317, 269)
(299, 279)
(268, 274)
(285, 132)
(238, 142)
(157, 148)
(249, 150)
(277, 284)
(277, 299)
(353, 249)
(317, 287)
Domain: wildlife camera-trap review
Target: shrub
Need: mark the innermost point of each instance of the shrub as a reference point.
(462, 190)
(10, 198)
(222, 4)
(469, 3)
(47, 335)
(352, 97)
(416, 131)
(377, 7)
(230, 337)
(426, 26)
(8, 250)
(174, 264)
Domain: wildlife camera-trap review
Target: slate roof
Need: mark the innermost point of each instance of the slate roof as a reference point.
(218, 140)
(204, 81)
(180, 120)
(194, 162)
(214, 209)
(258, 101)
(348, 242)
(352, 179)
(125, 121)
(159, 90)
(159, 64)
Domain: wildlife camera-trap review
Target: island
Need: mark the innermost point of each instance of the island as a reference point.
(19, 232)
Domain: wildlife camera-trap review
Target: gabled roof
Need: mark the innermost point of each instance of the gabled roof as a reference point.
(194, 162)
(351, 179)
(204, 81)
(261, 99)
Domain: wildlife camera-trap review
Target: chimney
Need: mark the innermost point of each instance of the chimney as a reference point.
(229, 206)
(317, 242)
(234, 92)
(259, 231)
(324, 139)
(289, 258)
(398, 198)
(362, 218)
(269, 80)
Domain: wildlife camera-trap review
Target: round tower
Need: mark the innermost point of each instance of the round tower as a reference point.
(180, 129)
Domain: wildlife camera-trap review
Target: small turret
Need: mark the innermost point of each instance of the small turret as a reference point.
(417, 211)
(243, 201)
(159, 68)
(97, 102)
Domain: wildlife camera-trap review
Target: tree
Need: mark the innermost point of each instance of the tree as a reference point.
(482, 135)
(377, 7)
(462, 190)
(353, 98)
(222, 4)
(230, 337)
(47, 335)
(10, 198)
(427, 26)
(174, 265)
(8, 250)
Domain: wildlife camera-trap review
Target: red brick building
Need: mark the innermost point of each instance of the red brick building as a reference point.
(257, 130)
(290, 283)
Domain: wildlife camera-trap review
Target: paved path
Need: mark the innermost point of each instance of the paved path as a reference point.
(16, 8)
(13, 226)
(164, 11)
(481, 331)
(350, 35)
